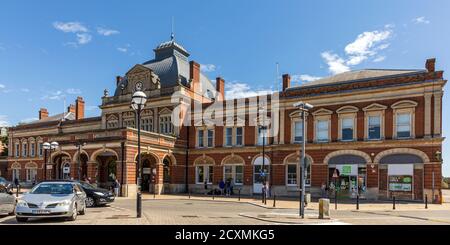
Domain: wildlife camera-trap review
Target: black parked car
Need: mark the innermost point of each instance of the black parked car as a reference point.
(95, 196)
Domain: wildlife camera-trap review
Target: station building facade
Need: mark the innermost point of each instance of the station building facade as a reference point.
(378, 131)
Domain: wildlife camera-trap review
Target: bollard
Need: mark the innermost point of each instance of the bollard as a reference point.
(239, 195)
(357, 202)
(17, 191)
(426, 201)
(154, 194)
(214, 193)
(324, 208)
(393, 202)
(274, 200)
(189, 194)
(335, 200)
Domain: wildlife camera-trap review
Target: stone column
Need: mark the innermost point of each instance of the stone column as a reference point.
(159, 179)
(427, 115)
(437, 113)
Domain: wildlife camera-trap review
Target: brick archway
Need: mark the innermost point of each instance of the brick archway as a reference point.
(347, 152)
(418, 153)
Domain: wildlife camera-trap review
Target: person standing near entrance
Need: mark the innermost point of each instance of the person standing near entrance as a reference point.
(116, 187)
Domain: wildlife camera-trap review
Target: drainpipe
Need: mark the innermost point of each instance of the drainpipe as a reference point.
(186, 161)
(122, 145)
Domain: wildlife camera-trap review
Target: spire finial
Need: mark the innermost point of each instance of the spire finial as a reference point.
(172, 35)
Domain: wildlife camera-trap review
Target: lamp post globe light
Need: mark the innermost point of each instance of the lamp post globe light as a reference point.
(304, 108)
(137, 103)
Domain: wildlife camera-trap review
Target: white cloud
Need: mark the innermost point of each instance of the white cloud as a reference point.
(2, 86)
(81, 32)
(4, 121)
(123, 50)
(421, 20)
(304, 77)
(366, 45)
(107, 32)
(207, 67)
(73, 91)
(25, 90)
(58, 95)
(236, 89)
(83, 38)
(379, 59)
(335, 63)
(70, 27)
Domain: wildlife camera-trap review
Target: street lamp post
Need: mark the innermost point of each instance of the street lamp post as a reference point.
(79, 145)
(138, 103)
(304, 108)
(48, 148)
(263, 130)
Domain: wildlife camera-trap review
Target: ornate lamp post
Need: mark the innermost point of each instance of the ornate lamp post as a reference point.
(137, 103)
(48, 147)
(263, 130)
(79, 145)
(304, 108)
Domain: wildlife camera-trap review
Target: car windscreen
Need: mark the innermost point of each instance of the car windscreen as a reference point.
(45, 188)
(87, 185)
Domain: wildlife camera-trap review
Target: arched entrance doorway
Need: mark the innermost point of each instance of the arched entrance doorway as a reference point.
(259, 173)
(61, 168)
(350, 178)
(106, 169)
(148, 172)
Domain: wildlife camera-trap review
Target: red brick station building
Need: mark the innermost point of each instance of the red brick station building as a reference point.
(380, 129)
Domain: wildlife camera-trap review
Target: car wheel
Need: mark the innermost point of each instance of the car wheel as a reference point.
(90, 202)
(74, 213)
(83, 211)
(21, 219)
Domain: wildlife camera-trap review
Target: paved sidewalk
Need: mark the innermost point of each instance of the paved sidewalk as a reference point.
(294, 204)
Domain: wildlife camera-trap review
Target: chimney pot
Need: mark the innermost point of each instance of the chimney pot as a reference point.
(79, 108)
(286, 81)
(220, 87)
(194, 75)
(43, 113)
(430, 64)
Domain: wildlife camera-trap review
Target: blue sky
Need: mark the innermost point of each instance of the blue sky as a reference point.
(51, 50)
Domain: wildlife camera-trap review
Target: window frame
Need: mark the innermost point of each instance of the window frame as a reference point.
(206, 172)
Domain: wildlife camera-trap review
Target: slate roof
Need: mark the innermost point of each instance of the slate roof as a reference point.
(171, 64)
(356, 75)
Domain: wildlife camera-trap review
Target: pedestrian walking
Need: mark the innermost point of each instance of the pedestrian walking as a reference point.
(222, 186)
(16, 183)
(323, 190)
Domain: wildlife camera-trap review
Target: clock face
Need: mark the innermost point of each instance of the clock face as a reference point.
(139, 86)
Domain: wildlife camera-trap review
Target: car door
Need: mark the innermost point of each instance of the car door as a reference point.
(7, 201)
(80, 196)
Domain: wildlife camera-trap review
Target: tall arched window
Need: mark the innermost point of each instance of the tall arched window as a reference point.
(166, 170)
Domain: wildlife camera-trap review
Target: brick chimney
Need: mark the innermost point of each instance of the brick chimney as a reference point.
(220, 88)
(286, 81)
(194, 71)
(79, 108)
(71, 108)
(118, 79)
(43, 113)
(430, 64)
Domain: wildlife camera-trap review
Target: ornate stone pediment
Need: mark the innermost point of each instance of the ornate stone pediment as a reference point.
(375, 107)
(145, 75)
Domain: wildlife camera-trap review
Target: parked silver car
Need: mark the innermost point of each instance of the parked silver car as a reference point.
(7, 201)
(52, 199)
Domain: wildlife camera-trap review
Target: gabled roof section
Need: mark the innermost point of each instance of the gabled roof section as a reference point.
(362, 75)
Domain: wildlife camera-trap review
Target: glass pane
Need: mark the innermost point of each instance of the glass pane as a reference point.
(374, 132)
(200, 174)
(403, 118)
(347, 133)
(347, 123)
(298, 131)
(374, 120)
(210, 174)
